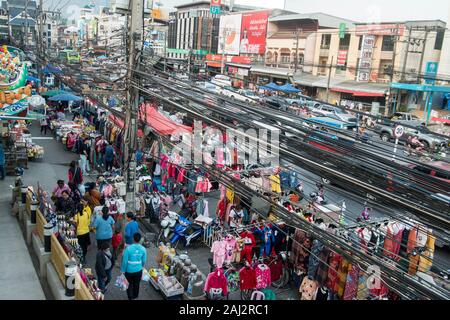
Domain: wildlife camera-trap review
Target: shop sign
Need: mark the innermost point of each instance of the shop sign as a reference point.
(342, 57)
(242, 72)
(214, 9)
(342, 28)
(380, 29)
(230, 34)
(365, 62)
(241, 60)
(431, 72)
(253, 32)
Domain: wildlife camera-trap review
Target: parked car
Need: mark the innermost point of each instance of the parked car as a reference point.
(430, 141)
(234, 94)
(252, 96)
(298, 101)
(333, 112)
(277, 103)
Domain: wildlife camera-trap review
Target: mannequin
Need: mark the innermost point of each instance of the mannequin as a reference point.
(197, 283)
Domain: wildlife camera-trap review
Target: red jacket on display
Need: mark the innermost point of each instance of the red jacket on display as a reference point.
(247, 276)
(217, 280)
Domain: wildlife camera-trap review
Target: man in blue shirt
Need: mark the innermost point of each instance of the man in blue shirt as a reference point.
(133, 261)
(131, 228)
(2, 162)
(109, 157)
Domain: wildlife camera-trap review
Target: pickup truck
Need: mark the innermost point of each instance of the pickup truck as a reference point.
(402, 118)
(429, 140)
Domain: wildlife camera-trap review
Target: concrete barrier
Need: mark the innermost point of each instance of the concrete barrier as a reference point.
(58, 290)
(43, 257)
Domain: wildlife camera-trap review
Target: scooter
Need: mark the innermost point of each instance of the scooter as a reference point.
(187, 232)
(167, 227)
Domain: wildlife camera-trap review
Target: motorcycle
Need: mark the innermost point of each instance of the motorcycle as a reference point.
(167, 227)
(187, 232)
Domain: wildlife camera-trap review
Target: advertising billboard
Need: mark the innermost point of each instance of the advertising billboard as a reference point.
(253, 32)
(365, 62)
(230, 34)
(380, 29)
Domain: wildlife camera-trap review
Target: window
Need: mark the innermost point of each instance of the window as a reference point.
(326, 40)
(344, 43)
(439, 40)
(285, 57)
(360, 43)
(388, 43)
(301, 59)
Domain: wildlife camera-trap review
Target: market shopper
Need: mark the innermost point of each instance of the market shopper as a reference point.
(75, 194)
(109, 157)
(44, 125)
(100, 147)
(76, 176)
(131, 228)
(65, 204)
(104, 228)
(103, 266)
(59, 188)
(133, 261)
(83, 219)
(116, 243)
(93, 196)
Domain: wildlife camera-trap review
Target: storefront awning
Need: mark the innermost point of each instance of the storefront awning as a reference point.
(121, 124)
(239, 65)
(359, 93)
(160, 123)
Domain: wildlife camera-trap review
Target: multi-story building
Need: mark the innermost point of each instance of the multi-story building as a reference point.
(4, 25)
(22, 15)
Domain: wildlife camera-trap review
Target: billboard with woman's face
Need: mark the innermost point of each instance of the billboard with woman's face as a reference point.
(253, 32)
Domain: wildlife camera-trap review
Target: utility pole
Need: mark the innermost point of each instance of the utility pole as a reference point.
(406, 55)
(26, 23)
(131, 120)
(9, 23)
(41, 27)
(297, 35)
(222, 46)
(165, 51)
(389, 104)
(329, 78)
(427, 31)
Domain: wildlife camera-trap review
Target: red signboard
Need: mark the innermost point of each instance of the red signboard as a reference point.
(253, 32)
(216, 2)
(241, 60)
(381, 29)
(342, 57)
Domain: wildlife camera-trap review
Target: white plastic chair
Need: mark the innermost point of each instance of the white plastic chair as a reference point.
(258, 295)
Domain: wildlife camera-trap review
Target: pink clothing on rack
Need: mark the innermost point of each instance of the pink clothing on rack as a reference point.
(262, 276)
(181, 175)
(230, 248)
(266, 183)
(220, 157)
(164, 179)
(107, 191)
(171, 170)
(203, 185)
(164, 161)
(219, 250)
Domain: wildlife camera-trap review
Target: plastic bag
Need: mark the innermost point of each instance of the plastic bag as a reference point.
(145, 275)
(122, 282)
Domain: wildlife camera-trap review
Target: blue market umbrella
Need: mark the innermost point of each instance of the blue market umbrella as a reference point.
(65, 97)
(288, 88)
(271, 86)
(33, 79)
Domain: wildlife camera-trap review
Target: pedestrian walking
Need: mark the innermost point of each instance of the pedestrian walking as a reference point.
(116, 243)
(75, 194)
(104, 228)
(109, 157)
(103, 266)
(100, 147)
(76, 176)
(2, 161)
(133, 261)
(131, 228)
(44, 125)
(82, 220)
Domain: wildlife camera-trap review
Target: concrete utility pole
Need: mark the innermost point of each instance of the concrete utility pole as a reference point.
(131, 120)
(422, 55)
(222, 46)
(389, 104)
(165, 51)
(26, 23)
(297, 36)
(40, 45)
(406, 55)
(9, 23)
(329, 78)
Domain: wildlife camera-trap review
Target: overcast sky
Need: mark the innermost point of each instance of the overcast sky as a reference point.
(359, 10)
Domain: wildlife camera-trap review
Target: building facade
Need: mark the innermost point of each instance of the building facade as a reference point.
(22, 19)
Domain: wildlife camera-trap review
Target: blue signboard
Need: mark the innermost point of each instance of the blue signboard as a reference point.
(215, 9)
(431, 72)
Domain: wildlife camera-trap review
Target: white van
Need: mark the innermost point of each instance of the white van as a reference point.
(222, 80)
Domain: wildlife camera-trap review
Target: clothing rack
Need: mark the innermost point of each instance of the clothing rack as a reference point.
(365, 224)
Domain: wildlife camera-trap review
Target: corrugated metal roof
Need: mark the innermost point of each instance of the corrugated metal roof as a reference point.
(325, 20)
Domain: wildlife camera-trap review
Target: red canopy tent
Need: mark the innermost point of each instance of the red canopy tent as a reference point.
(121, 124)
(160, 123)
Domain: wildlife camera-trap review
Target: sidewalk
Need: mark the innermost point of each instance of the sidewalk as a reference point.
(18, 277)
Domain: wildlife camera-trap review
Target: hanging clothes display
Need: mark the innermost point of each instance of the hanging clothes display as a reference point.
(249, 244)
(263, 278)
(247, 276)
(216, 284)
(275, 183)
(308, 289)
(351, 287)
(218, 248)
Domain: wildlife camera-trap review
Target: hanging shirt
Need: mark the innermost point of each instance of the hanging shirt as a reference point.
(247, 276)
(263, 279)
